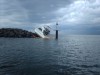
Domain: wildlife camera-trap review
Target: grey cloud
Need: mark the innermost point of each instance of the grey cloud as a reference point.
(44, 5)
(42, 10)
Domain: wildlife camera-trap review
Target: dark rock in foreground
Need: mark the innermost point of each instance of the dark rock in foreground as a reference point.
(16, 33)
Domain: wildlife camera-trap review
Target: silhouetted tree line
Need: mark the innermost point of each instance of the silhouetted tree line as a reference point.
(16, 33)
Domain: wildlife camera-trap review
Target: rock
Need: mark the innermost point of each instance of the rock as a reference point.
(16, 33)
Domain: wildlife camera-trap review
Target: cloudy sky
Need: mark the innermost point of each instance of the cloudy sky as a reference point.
(74, 16)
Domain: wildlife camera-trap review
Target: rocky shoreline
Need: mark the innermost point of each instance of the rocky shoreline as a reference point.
(16, 33)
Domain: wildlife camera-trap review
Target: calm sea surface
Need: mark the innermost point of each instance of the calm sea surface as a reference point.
(70, 55)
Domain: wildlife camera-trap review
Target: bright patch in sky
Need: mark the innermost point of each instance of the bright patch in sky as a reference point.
(81, 12)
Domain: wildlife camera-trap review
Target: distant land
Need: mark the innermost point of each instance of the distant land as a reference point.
(16, 33)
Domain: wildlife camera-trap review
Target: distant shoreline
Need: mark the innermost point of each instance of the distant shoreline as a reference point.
(16, 33)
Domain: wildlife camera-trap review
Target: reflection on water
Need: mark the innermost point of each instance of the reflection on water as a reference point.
(70, 55)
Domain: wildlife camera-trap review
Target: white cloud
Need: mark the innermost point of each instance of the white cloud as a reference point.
(80, 12)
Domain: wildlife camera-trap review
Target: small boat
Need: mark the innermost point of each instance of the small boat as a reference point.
(43, 32)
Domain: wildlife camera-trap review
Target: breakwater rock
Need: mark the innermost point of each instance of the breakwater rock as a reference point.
(16, 33)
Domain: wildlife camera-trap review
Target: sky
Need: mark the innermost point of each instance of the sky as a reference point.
(73, 16)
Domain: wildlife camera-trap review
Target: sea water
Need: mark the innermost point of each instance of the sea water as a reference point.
(69, 55)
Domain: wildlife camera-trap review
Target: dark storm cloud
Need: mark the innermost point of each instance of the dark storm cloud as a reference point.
(19, 13)
(44, 5)
(42, 10)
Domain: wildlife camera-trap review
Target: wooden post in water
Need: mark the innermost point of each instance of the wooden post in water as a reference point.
(56, 31)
